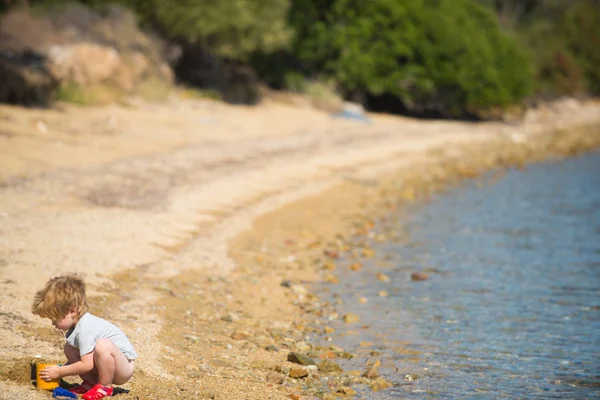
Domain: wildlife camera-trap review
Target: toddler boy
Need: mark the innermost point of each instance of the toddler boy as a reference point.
(96, 350)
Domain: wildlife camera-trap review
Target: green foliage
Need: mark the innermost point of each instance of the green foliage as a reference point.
(295, 82)
(194, 93)
(563, 40)
(444, 55)
(229, 28)
(100, 94)
(72, 93)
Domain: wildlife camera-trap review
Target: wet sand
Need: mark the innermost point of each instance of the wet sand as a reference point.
(186, 218)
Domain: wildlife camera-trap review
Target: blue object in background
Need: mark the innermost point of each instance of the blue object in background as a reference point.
(352, 111)
(352, 115)
(60, 392)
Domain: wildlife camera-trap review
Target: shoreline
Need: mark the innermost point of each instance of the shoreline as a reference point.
(213, 318)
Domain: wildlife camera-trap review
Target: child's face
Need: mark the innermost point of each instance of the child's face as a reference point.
(66, 323)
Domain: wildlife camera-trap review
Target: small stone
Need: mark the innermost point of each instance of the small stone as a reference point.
(329, 396)
(345, 355)
(367, 252)
(419, 276)
(328, 330)
(331, 254)
(379, 384)
(327, 366)
(228, 318)
(328, 355)
(301, 359)
(329, 266)
(411, 377)
(346, 391)
(295, 396)
(239, 335)
(272, 348)
(275, 377)
(355, 267)
(372, 372)
(363, 300)
(383, 293)
(298, 373)
(350, 318)
(383, 277)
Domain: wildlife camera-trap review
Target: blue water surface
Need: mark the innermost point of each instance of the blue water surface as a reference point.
(512, 306)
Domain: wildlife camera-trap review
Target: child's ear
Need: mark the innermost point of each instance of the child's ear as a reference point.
(72, 310)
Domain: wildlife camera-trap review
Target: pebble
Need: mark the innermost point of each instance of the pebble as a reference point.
(379, 384)
(419, 276)
(298, 373)
(272, 348)
(239, 335)
(350, 318)
(301, 359)
(327, 366)
(372, 372)
(346, 391)
(355, 267)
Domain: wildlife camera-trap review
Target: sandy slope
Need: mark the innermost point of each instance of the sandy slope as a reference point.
(144, 199)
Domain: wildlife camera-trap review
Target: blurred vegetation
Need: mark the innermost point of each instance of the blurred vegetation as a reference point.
(562, 38)
(91, 95)
(450, 58)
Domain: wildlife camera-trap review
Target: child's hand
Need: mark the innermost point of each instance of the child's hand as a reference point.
(51, 372)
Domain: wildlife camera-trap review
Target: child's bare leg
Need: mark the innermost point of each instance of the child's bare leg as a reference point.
(72, 355)
(111, 364)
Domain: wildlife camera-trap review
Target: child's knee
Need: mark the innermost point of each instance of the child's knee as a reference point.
(104, 346)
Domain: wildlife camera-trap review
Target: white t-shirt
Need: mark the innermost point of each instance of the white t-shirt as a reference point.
(90, 329)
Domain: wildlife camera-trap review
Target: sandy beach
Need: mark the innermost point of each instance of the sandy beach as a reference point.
(185, 218)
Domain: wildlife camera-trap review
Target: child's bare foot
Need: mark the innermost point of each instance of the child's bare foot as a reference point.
(98, 392)
(82, 388)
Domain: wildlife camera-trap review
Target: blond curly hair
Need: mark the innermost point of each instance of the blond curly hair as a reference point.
(58, 296)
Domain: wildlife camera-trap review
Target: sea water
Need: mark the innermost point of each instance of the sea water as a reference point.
(511, 308)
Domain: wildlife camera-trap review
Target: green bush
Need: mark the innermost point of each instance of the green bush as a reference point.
(228, 28)
(563, 40)
(445, 55)
(581, 27)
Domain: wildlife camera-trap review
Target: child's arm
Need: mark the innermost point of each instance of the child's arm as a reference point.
(85, 365)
